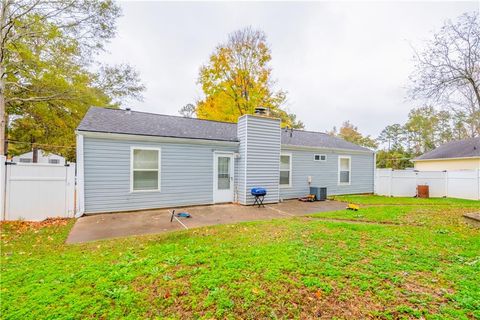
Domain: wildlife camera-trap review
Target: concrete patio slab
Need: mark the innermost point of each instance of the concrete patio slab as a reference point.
(473, 218)
(113, 225)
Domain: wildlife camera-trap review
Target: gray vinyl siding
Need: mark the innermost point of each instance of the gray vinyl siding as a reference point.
(325, 174)
(186, 175)
(262, 155)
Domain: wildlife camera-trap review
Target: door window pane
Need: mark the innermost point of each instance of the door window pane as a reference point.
(344, 170)
(285, 162)
(344, 176)
(223, 173)
(285, 177)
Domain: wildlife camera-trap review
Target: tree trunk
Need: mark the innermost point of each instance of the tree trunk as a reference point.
(34, 154)
(3, 117)
(3, 114)
(475, 90)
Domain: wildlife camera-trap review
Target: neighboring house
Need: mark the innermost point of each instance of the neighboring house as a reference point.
(43, 157)
(454, 155)
(134, 160)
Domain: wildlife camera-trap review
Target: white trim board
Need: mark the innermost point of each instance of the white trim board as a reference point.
(288, 147)
(445, 159)
(133, 137)
(143, 138)
(245, 161)
(215, 173)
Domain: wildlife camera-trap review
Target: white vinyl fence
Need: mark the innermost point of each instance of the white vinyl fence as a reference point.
(463, 184)
(36, 191)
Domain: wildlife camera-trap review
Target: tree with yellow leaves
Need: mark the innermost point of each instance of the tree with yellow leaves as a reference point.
(237, 79)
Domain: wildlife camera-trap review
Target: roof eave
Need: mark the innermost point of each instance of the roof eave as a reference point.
(154, 138)
(126, 136)
(311, 148)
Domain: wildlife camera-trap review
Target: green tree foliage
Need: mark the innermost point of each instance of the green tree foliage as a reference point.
(393, 137)
(422, 128)
(395, 159)
(237, 79)
(349, 132)
(50, 77)
(425, 129)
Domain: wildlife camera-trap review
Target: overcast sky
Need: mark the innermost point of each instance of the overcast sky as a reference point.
(337, 60)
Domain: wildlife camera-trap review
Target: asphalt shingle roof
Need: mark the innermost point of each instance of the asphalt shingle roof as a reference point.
(454, 149)
(317, 139)
(149, 124)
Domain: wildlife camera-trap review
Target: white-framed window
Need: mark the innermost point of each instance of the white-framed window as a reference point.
(285, 170)
(25, 160)
(54, 161)
(320, 157)
(145, 169)
(344, 170)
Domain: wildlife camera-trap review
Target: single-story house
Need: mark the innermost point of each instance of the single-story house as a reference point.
(129, 160)
(454, 155)
(43, 157)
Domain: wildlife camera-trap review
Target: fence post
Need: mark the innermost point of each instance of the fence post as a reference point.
(390, 174)
(375, 181)
(70, 190)
(446, 183)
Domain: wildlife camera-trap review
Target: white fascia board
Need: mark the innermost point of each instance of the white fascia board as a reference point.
(445, 159)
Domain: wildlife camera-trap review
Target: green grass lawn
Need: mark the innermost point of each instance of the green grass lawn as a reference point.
(425, 265)
(405, 201)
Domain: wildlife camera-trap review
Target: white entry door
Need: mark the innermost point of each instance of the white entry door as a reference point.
(223, 178)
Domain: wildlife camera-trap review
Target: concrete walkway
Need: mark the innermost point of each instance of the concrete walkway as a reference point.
(113, 225)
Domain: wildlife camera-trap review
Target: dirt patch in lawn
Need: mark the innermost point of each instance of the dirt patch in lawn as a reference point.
(171, 295)
(290, 300)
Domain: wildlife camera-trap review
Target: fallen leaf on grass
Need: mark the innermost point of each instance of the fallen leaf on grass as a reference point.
(24, 226)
